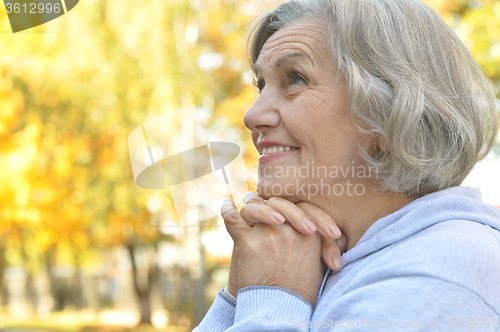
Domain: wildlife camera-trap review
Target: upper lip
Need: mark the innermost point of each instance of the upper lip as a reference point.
(269, 142)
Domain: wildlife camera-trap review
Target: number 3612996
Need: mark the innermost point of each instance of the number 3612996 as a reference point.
(33, 8)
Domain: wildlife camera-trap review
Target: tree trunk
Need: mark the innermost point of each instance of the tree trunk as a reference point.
(77, 291)
(145, 307)
(31, 298)
(78, 297)
(54, 286)
(200, 308)
(142, 290)
(3, 289)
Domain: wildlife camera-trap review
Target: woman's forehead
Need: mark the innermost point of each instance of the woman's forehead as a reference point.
(303, 37)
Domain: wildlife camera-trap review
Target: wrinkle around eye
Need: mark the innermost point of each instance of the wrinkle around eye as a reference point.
(295, 90)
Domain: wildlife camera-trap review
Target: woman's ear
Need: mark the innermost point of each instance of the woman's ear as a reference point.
(374, 144)
(382, 144)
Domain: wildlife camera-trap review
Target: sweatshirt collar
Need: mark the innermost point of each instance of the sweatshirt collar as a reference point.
(452, 203)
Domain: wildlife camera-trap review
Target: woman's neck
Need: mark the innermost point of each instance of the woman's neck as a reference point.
(355, 214)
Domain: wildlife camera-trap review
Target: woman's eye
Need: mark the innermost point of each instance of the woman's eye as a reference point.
(260, 85)
(296, 78)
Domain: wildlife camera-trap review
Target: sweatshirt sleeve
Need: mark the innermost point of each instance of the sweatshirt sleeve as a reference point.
(258, 308)
(220, 316)
(268, 308)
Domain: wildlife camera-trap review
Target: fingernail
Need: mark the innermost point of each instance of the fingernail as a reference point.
(310, 225)
(229, 200)
(337, 262)
(279, 218)
(334, 230)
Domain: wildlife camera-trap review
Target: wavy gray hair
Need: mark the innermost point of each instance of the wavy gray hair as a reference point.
(412, 84)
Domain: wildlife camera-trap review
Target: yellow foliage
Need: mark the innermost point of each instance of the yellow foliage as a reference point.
(70, 97)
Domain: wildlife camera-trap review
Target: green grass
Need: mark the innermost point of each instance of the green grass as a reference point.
(74, 322)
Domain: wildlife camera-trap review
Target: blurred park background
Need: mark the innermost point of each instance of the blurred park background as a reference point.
(82, 248)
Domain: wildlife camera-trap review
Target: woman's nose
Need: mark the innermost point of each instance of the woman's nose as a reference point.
(263, 115)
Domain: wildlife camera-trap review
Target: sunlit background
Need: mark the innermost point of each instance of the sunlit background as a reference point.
(82, 248)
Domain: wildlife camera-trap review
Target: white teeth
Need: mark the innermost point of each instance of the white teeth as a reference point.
(277, 148)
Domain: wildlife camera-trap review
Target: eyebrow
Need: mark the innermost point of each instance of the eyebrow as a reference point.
(282, 59)
(291, 55)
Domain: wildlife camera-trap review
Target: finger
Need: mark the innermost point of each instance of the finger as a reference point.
(333, 242)
(323, 221)
(293, 214)
(342, 243)
(235, 225)
(331, 251)
(255, 210)
(256, 213)
(252, 198)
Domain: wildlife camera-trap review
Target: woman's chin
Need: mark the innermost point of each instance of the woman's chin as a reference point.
(267, 189)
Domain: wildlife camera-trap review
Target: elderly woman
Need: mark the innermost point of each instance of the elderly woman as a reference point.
(370, 115)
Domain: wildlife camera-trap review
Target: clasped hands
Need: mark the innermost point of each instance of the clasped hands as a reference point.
(283, 244)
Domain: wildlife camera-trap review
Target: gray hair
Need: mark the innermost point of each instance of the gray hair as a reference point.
(412, 85)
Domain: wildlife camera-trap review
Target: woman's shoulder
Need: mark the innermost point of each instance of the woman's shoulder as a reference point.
(448, 247)
(450, 240)
(451, 225)
(454, 241)
(463, 253)
(449, 268)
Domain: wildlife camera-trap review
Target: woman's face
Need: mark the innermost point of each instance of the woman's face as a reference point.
(300, 122)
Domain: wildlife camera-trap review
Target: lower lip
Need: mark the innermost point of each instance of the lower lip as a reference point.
(265, 158)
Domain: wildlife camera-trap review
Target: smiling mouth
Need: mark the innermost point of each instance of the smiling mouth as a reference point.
(277, 148)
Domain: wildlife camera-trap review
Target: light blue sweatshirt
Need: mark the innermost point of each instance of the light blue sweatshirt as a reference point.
(433, 265)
